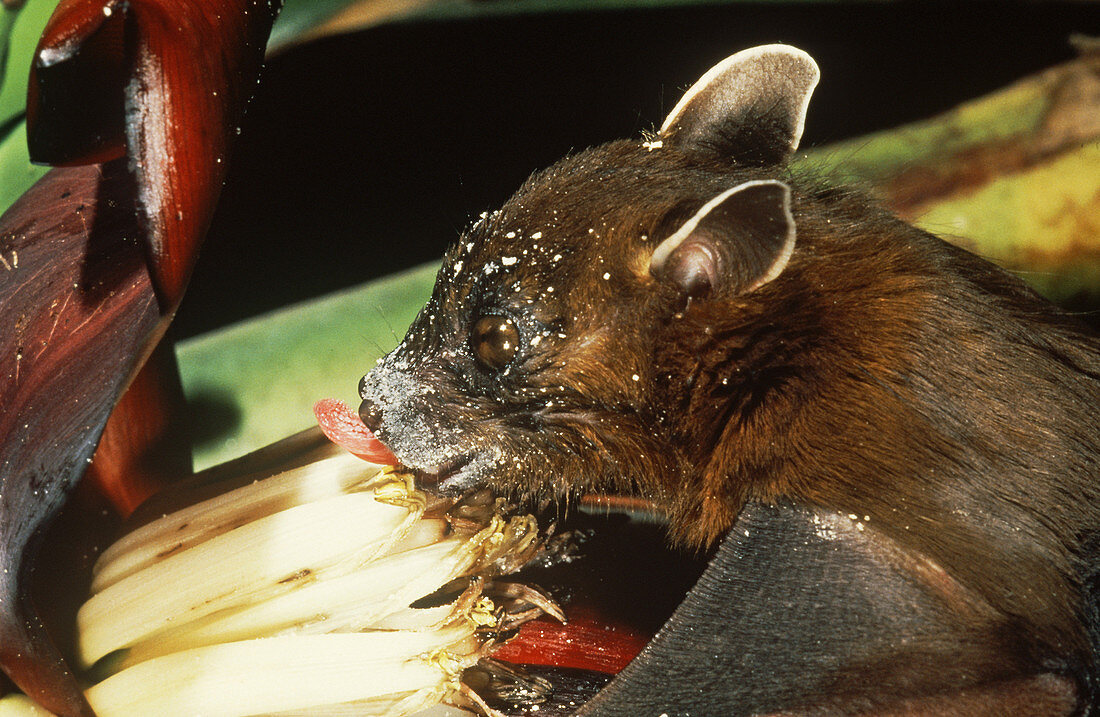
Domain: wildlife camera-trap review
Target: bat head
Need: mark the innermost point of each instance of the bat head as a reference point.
(541, 366)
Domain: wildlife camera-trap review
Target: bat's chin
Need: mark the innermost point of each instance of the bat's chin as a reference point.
(452, 476)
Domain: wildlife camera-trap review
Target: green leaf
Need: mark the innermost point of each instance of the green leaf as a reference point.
(7, 22)
(16, 171)
(310, 19)
(19, 33)
(875, 158)
(1052, 235)
(18, 49)
(1010, 176)
(298, 17)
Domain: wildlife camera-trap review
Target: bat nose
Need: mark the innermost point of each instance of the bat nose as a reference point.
(369, 411)
(371, 415)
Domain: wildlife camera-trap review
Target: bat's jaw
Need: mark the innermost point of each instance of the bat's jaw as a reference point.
(450, 477)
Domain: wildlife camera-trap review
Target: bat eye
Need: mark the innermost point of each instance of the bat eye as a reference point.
(495, 341)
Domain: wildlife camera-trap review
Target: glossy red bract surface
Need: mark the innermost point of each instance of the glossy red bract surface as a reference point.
(97, 256)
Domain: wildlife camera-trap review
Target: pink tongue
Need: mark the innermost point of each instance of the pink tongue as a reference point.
(344, 428)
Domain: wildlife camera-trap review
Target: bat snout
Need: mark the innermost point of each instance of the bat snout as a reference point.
(371, 414)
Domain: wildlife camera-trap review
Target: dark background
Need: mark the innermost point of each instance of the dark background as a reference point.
(367, 153)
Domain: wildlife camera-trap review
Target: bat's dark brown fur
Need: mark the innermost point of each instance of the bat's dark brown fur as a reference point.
(881, 373)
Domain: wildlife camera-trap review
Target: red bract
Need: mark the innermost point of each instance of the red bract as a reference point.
(81, 307)
(344, 428)
(96, 258)
(589, 641)
(164, 80)
(144, 445)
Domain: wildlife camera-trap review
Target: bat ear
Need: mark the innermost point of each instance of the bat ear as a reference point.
(751, 107)
(736, 243)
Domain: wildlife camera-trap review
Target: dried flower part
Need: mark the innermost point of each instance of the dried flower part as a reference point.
(333, 587)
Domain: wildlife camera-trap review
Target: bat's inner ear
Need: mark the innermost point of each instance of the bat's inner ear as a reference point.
(750, 108)
(737, 242)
